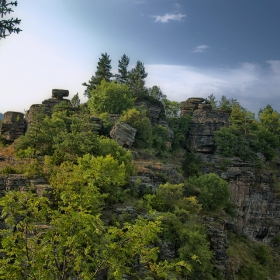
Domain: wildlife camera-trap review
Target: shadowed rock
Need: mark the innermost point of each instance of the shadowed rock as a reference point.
(123, 134)
(12, 127)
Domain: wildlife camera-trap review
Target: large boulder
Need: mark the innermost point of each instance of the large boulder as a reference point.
(60, 93)
(12, 127)
(189, 106)
(123, 134)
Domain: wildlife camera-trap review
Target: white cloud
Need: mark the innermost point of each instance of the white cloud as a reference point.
(201, 48)
(252, 85)
(177, 5)
(167, 17)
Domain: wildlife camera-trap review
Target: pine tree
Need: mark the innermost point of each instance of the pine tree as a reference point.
(122, 77)
(136, 78)
(103, 71)
(10, 24)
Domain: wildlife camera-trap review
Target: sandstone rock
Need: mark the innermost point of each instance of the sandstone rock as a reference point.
(189, 106)
(253, 194)
(60, 93)
(203, 124)
(12, 127)
(155, 112)
(124, 134)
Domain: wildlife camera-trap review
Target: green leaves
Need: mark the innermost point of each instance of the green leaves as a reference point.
(110, 97)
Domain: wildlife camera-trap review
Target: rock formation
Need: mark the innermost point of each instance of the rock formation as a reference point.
(123, 134)
(12, 127)
(205, 120)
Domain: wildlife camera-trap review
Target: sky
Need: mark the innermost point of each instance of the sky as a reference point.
(190, 48)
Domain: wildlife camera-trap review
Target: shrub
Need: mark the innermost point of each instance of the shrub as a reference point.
(213, 191)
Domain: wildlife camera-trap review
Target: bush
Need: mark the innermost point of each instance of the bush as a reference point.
(110, 97)
(213, 191)
(139, 120)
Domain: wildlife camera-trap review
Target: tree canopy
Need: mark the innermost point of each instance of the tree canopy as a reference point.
(8, 26)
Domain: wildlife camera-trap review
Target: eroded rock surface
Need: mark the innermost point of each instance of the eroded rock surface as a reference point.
(204, 122)
(12, 127)
(123, 134)
(252, 191)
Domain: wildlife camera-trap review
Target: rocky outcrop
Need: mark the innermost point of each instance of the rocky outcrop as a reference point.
(151, 174)
(217, 235)
(123, 134)
(155, 111)
(12, 127)
(189, 106)
(47, 105)
(60, 93)
(253, 192)
(205, 120)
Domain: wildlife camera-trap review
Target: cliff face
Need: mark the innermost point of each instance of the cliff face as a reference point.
(252, 190)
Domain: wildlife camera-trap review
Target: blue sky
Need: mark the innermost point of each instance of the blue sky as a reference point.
(190, 48)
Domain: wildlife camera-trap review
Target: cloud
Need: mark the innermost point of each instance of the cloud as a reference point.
(167, 17)
(201, 48)
(254, 86)
(177, 5)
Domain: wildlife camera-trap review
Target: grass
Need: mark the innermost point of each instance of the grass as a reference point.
(250, 260)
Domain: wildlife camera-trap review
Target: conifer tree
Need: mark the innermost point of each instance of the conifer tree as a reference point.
(8, 25)
(122, 76)
(136, 79)
(103, 71)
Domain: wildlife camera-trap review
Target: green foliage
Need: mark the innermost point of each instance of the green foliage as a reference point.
(213, 191)
(180, 127)
(110, 97)
(270, 120)
(226, 104)
(172, 108)
(139, 120)
(8, 25)
(75, 101)
(250, 260)
(156, 93)
(136, 79)
(191, 165)
(262, 254)
(211, 99)
(65, 136)
(245, 137)
(8, 170)
(103, 71)
(107, 146)
(160, 137)
(123, 73)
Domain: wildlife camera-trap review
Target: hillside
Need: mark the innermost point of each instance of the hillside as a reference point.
(90, 193)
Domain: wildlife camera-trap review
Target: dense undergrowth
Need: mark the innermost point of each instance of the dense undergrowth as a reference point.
(74, 232)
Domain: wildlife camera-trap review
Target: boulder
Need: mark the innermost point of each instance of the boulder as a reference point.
(12, 127)
(59, 93)
(189, 106)
(123, 134)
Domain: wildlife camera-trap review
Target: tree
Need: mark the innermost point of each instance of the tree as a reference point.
(270, 119)
(136, 79)
(75, 101)
(110, 97)
(103, 71)
(156, 92)
(225, 104)
(122, 76)
(212, 100)
(213, 191)
(8, 25)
